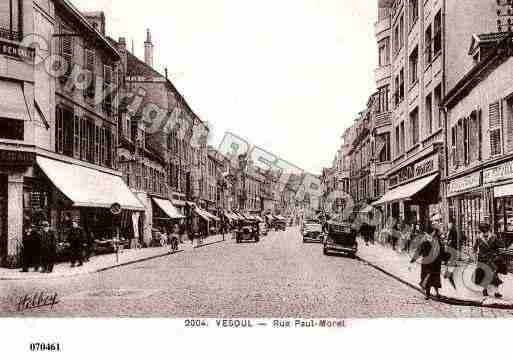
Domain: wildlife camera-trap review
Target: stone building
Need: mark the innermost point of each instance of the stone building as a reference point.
(59, 128)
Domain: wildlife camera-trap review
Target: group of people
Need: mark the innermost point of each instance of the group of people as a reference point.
(435, 250)
(39, 246)
(170, 237)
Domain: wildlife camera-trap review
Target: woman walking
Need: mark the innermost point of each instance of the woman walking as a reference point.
(432, 252)
(490, 264)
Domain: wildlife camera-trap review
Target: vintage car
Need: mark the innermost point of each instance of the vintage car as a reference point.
(340, 238)
(280, 223)
(248, 232)
(312, 231)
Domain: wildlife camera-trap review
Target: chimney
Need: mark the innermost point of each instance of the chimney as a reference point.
(96, 19)
(148, 49)
(122, 51)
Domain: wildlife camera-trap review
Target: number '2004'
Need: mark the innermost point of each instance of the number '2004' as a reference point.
(45, 347)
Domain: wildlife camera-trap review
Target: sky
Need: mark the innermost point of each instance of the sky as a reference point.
(288, 76)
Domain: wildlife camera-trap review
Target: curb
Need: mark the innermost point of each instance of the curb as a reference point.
(209, 244)
(442, 299)
(92, 271)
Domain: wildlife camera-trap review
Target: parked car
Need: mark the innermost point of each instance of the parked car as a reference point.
(341, 238)
(312, 231)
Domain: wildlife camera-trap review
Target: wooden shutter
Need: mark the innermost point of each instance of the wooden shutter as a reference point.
(89, 64)
(460, 145)
(495, 131)
(67, 44)
(474, 137)
(509, 124)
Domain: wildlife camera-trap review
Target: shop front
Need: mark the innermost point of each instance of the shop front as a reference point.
(63, 192)
(499, 181)
(467, 207)
(414, 191)
(165, 214)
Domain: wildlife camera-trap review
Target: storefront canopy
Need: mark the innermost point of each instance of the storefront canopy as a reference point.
(87, 187)
(168, 208)
(406, 191)
(206, 215)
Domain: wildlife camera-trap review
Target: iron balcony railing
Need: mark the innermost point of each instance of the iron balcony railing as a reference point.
(10, 34)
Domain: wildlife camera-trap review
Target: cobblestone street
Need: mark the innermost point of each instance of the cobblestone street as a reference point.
(278, 277)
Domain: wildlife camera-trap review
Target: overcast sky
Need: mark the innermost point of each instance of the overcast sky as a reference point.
(288, 75)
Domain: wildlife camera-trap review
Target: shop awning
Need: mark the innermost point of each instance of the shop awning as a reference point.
(86, 187)
(13, 104)
(503, 191)
(206, 215)
(168, 208)
(405, 192)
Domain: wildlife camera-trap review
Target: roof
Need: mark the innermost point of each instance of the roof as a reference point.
(499, 53)
(83, 21)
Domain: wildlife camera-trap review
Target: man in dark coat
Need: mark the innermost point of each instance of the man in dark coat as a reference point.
(76, 239)
(30, 249)
(48, 248)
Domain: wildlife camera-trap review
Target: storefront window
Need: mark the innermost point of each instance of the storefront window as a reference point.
(504, 214)
(471, 214)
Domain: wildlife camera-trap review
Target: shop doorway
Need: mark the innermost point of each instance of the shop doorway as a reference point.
(3, 216)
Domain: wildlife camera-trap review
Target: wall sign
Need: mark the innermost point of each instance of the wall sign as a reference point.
(15, 50)
(17, 158)
(415, 170)
(499, 173)
(465, 183)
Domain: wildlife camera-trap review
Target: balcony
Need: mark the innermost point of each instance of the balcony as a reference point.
(382, 75)
(383, 119)
(382, 25)
(10, 34)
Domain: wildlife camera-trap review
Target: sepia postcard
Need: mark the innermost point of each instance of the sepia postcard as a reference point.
(203, 171)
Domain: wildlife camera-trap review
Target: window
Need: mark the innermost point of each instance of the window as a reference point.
(428, 46)
(437, 118)
(414, 65)
(11, 19)
(383, 148)
(76, 137)
(401, 85)
(414, 12)
(414, 126)
(403, 138)
(401, 31)
(89, 66)
(397, 141)
(382, 102)
(495, 129)
(396, 39)
(64, 131)
(429, 114)
(437, 39)
(107, 88)
(454, 148)
(384, 56)
(11, 129)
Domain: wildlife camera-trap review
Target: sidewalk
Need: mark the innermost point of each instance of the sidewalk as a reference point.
(466, 293)
(108, 261)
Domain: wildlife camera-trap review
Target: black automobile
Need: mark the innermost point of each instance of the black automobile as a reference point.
(248, 232)
(340, 238)
(312, 231)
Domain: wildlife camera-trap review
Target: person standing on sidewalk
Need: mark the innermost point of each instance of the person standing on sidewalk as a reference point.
(28, 253)
(432, 252)
(487, 248)
(76, 240)
(49, 248)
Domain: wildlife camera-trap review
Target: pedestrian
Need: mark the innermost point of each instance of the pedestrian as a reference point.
(76, 240)
(89, 245)
(49, 248)
(452, 236)
(487, 249)
(395, 233)
(29, 248)
(407, 237)
(432, 252)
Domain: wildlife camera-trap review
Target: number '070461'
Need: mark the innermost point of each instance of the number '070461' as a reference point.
(45, 347)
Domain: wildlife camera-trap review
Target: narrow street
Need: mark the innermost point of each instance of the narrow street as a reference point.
(278, 277)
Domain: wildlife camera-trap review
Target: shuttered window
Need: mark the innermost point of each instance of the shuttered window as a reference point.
(509, 123)
(459, 145)
(495, 130)
(454, 146)
(89, 65)
(107, 88)
(67, 44)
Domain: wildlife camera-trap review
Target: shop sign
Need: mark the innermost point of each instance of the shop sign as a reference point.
(16, 50)
(499, 173)
(415, 170)
(17, 158)
(465, 183)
